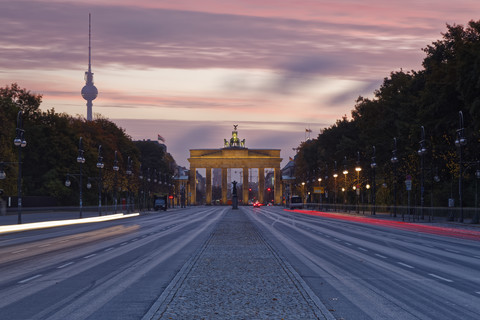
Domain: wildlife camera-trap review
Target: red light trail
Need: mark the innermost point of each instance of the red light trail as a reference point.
(442, 231)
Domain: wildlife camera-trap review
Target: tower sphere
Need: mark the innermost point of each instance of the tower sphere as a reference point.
(89, 92)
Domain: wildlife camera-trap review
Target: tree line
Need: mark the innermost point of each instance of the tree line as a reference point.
(432, 100)
(53, 146)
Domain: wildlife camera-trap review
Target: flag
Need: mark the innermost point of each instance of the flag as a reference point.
(160, 138)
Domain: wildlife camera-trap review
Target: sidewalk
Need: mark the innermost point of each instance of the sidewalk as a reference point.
(46, 215)
(237, 275)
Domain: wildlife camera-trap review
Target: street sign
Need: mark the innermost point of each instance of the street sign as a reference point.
(318, 190)
(408, 182)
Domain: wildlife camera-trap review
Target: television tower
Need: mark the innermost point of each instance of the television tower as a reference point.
(89, 91)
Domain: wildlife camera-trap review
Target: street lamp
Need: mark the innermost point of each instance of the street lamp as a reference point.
(421, 152)
(460, 142)
(357, 189)
(19, 142)
(141, 177)
(320, 189)
(303, 193)
(394, 161)
(373, 165)
(345, 172)
(129, 174)
(80, 161)
(477, 176)
(100, 165)
(335, 176)
(115, 168)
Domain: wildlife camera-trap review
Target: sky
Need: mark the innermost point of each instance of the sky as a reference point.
(191, 69)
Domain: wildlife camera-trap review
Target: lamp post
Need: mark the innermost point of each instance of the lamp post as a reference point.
(320, 190)
(141, 177)
(394, 161)
(460, 142)
(129, 174)
(115, 168)
(357, 189)
(477, 177)
(80, 161)
(100, 165)
(19, 142)
(373, 165)
(148, 184)
(335, 175)
(345, 172)
(303, 193)
(421, 152)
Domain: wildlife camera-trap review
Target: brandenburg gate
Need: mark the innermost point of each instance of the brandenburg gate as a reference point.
(234, 154)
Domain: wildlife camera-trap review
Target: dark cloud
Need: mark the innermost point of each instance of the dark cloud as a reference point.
(54, 35)
(349, 97)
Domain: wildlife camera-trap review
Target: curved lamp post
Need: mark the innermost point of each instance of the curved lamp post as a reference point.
(100, 165)
(421, 152)
(394, 161)
(460, 142)
(19, 142)
(373, 165)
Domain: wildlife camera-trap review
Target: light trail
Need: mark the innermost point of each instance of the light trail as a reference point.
(59, 223)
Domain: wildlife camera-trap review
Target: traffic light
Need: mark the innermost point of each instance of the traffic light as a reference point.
(268, 189)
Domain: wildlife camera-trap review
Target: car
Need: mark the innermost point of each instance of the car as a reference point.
(257, 204)
(160, 204)
(296, 202)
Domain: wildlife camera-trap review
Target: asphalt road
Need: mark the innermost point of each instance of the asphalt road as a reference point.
(108, 270)
(365, 270)
(358, 269)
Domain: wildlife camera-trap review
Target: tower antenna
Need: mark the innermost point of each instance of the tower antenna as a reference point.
(89, 91)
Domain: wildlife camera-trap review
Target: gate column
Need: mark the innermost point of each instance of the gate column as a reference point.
(224, 186)
(245, 186)
(208, 186)
(278, 186)
(193, 186)
(261, 184)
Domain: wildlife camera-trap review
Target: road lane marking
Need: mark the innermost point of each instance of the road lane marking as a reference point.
(478, 292)
(18, 251)
(108, 249)
(123, 244)
(30, 279)
(89, 256)
(44, 245)
(65, 265)
(406, 265)
(450, 250)
(379, 255)
(363, 249)
(348, 243)
(441, 278)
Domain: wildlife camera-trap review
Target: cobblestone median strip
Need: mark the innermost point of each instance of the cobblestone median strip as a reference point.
(237, 275)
